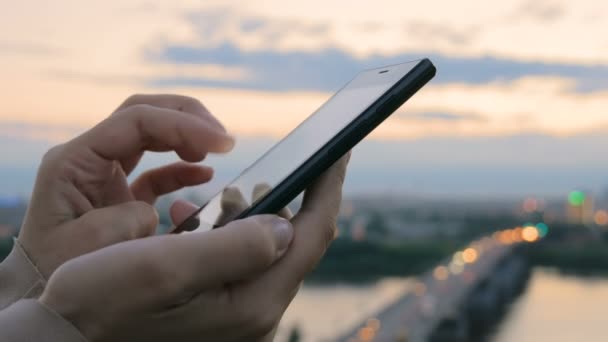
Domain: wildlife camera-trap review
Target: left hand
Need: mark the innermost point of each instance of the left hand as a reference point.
(228, 284)
(82, 200)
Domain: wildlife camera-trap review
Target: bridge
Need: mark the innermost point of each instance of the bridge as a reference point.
(459, 298)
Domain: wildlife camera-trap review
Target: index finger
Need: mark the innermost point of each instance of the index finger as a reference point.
(314, 229)
(180, 103)
(144, 127)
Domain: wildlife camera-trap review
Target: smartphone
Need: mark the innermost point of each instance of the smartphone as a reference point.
(285, 170)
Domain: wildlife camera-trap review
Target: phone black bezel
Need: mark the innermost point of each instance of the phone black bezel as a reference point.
(344, 141)
(340, 144)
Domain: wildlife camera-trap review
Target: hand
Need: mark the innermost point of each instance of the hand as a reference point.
(82, 200)
(226, 284)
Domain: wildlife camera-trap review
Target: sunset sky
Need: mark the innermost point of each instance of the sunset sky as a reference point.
(518, 106)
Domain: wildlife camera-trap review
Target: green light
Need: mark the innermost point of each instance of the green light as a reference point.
(576, 198)
(543, 229)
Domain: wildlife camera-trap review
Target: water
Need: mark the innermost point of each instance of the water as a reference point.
(558, 308)
(324, 312)
(555, 307)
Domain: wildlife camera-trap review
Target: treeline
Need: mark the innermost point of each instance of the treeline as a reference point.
(360, 261)
(5, 247)
(579, 258)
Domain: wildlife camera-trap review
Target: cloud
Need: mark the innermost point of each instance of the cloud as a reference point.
(545, 11)
(440, 116)
(549, 105)
(23, 48)
(39, 131)
(440, 32)
(532, 31)
(327, 69)
(147, 73)
(281, 62)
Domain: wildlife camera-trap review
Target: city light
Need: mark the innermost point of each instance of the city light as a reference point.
(601, 218)
(469, 255)
(505, 237)
(576, 198)
(530, 234)
(516, 234)
(456, 268)
(367, 334)
(373, 323)
(440, 273)
(419, 288)
(530, 205)
(543, 229)
(457, 258)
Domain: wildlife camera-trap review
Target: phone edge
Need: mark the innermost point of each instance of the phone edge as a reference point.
(345, 140)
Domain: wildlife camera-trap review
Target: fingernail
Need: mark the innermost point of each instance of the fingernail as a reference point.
(228, 142)
(283, 233)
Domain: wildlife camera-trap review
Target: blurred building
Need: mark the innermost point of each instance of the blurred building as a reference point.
(580, 208)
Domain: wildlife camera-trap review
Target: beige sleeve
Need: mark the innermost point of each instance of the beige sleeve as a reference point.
(30, 321)
(23, 319)
(19, 277)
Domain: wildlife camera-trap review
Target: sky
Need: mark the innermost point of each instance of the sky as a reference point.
(517, 107)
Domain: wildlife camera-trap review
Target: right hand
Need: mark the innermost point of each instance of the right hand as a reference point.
(226, 284)
(82, 200)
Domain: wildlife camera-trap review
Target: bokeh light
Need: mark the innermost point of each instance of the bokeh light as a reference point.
(530, 205)
(601, 217)
(530, 234)
(367, 334)
(419, 288)
(470, 255)
(576, 198)
(373, 323)
(457, 258)
(543, 229)
(440, 273)
(516, 234)
(456, 268)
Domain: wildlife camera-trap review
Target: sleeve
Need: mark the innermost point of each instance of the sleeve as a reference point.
(30, 321)
(19, 277)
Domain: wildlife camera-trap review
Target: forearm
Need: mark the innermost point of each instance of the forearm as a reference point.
(30, 321)
(19, 278)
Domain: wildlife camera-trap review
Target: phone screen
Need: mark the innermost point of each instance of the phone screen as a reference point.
(298, 146)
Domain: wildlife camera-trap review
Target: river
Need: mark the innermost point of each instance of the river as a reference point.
(323, 312)
(558, 308)
(554, 307)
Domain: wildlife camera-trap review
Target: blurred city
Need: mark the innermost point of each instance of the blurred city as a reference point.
(477, 212)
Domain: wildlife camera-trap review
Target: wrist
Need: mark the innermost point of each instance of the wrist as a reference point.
(19, 277)
(29, 320)
(72, 312)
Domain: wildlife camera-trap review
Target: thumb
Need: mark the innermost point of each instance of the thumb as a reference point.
(232, 253)
(106, 226)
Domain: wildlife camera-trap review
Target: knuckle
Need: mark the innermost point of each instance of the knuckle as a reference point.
(258, 323)
(55, 163)
(145, 217)
(133, 99)
(53, 154)
(136, 109)
(340, 177)
(329, 231)
(187, 103)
